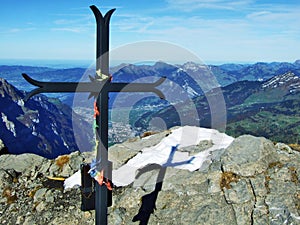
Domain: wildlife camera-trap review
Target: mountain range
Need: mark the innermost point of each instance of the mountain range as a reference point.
(188, 76)
(263, 108)
(261, 99)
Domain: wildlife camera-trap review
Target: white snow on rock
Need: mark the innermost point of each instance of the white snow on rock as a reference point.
(74, 180)
(162, 153)
(9, 124)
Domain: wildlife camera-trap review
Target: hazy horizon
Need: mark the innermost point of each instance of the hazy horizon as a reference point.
(71, 63)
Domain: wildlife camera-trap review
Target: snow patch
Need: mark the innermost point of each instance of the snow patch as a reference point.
(9, 124)
(74, 180)
(65, 144)
(166, 155)
(20, 102)
(34, 131)
(280, 80)
(160, 153)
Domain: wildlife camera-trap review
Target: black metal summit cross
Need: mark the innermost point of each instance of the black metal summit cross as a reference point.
(99, 87)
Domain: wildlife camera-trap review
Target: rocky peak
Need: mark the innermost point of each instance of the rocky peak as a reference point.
(160, 65)
(9, 91)
(253, 181)
(194, 67)
(37, 126)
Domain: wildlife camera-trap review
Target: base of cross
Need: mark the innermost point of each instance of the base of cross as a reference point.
(88, 192)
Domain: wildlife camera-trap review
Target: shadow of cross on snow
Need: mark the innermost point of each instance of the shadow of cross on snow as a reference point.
(149, 200)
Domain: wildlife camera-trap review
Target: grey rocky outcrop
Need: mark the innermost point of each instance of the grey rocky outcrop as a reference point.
(252, 182)
(2, 147)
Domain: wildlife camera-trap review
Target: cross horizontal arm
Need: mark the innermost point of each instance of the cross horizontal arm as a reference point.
(138, 87)
(92, 87)
(55, 87)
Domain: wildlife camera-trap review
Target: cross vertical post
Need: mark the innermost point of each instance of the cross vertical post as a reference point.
(102, 67)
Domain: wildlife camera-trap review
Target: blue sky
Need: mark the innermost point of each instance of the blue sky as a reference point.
(215, 30)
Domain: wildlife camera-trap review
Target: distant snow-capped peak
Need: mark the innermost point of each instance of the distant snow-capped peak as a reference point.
(288, 80)
(192, 66)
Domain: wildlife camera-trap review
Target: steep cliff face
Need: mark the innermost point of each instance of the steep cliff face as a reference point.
(252, 181)
(42, 126)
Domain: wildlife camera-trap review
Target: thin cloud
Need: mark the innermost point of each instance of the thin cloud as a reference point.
(78, 25)
(276, 16)
(16, 30)
(258, 14)
(282, 21)
(63, 21)
(133, 23)
(253, 35)
(69, 29)
(69, 19)
(192, 5)
(252, 23)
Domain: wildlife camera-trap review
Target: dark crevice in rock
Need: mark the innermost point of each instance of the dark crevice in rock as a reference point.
(297, 201)
(255, 201)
